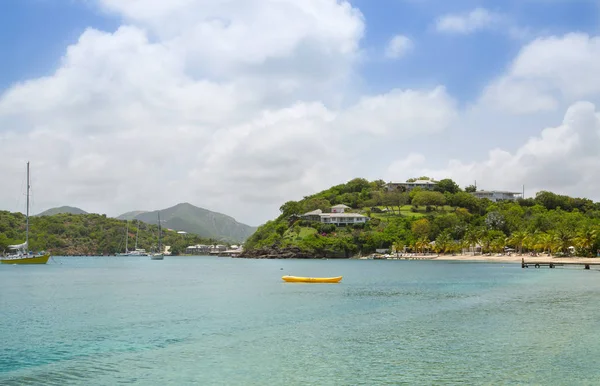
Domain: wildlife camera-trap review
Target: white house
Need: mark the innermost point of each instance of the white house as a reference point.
(408, 186)
(339, 208)
(497, 195)
(337, 216)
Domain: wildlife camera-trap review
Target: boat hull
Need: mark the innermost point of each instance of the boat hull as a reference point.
(299, 279)
(41, 259)
(157, 257)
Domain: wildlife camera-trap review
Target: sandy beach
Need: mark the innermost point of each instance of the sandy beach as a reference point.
(515, 258)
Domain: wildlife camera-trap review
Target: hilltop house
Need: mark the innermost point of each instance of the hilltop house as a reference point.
(408, 186)
(497, 195)
(338, 216)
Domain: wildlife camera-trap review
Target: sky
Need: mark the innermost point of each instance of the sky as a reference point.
(239, 106)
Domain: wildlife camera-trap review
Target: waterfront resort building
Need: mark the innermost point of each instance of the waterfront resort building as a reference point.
(338, 216)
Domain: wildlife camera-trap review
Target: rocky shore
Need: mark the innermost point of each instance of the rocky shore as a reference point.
(284, 253)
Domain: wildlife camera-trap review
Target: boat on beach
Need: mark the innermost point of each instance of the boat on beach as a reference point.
(300, 279)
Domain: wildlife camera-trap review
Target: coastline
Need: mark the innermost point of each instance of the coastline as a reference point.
(517, 259)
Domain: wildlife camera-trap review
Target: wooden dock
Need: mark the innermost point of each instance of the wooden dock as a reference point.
(549, 264)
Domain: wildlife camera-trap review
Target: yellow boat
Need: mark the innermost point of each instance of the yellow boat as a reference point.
(25, 259)
(299, 279)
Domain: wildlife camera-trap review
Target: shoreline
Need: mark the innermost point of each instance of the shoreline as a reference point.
(518, 258)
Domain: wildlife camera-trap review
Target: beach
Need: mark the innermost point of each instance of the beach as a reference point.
(516, 258)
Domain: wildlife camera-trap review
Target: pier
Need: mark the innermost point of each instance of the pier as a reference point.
(549, 264)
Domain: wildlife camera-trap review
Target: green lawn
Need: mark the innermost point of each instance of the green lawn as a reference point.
(407, 211)
(304, 232)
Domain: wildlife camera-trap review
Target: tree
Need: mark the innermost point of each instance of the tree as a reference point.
(290, 208)
(517, 239)
(447, 185)
(465, 200)
(421, 228)
(471, 189)
(495, 221)
(426, 198)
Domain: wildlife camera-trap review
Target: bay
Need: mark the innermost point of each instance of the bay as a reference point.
(222, 321)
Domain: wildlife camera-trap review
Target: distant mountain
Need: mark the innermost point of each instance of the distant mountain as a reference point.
(200, 221)
(131, 215)
(62, 209)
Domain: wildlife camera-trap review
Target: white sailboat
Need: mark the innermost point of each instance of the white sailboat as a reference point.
(126, 239)
(22, 254)
(160, 254)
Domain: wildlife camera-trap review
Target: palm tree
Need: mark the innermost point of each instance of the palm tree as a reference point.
(546, 242)
(564, 238)
(471, 238)
(442, 242)
(517, 239)
(586, 238)
(497, 244)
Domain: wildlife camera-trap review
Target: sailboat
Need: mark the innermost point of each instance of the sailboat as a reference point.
(126, 239)
(158, 255)
(22, 255)
(137, 251)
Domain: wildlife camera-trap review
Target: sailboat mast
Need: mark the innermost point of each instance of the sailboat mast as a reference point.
(137, 234)
(126, 235)
(159, 232)
(27, 215)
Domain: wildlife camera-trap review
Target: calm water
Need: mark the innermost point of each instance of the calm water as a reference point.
(213, 321)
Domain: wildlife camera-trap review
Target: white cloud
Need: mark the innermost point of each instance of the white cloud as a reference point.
(547, 73)
(238, 108)
(562, 159)
(468, 22)
(398, 46)
(231, 110)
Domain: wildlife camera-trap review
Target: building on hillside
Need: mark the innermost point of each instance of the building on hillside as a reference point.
(339, 208)
(497, 195)
(199, 249)
(338, 216)
(408, 186)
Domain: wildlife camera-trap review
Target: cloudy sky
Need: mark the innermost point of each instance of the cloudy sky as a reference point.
(238, 106)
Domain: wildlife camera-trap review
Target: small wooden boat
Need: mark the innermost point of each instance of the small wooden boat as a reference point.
(299, 279)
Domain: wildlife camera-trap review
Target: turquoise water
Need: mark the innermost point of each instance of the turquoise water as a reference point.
(221, 321)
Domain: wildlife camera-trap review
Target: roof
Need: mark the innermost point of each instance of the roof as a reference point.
(340, 206)
(341, 215)
(495, 191)
(313, 213)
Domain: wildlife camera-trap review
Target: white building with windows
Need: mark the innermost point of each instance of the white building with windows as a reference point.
(338, 216)
(408, 186)
(497, 195)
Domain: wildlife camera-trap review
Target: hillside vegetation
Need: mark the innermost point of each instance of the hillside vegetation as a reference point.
(86, 234)
(200, 221)
(446, 220)
(62, 209)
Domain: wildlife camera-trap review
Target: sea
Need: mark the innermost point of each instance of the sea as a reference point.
(221, 321)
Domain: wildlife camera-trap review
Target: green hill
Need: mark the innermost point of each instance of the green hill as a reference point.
(62, 209)
(199, 221)
(131, 215)
(445, 220)
(87, 234)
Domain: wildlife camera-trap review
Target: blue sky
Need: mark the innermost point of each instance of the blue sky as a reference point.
(221, 116)
(34, 34)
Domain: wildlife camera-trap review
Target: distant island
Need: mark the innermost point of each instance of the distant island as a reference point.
(72, 231)
(422, 216)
